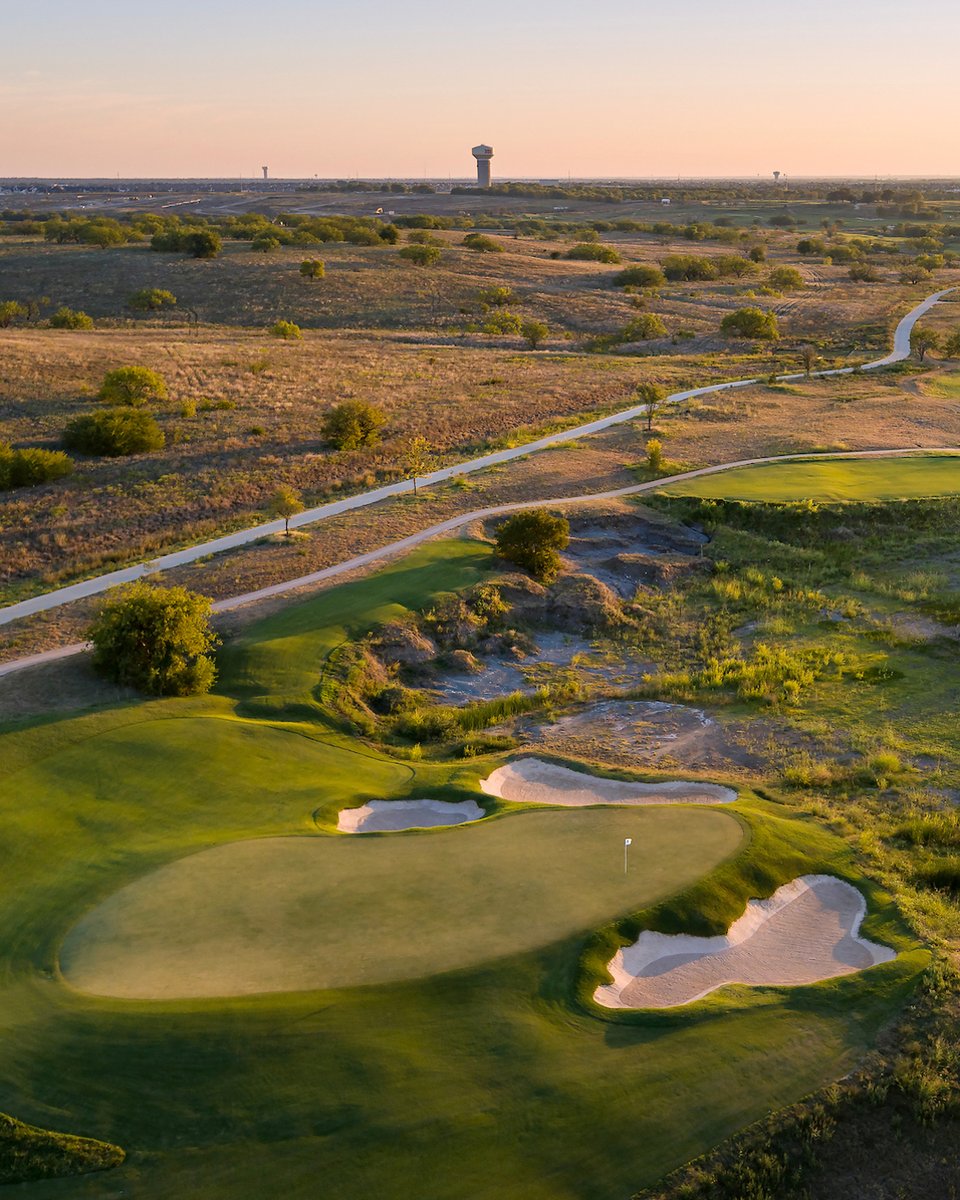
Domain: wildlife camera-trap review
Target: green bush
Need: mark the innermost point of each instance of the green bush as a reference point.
(751, 323)
(494, 297)
(482, 244)
(201, 243)
(642, 328)
(10, 312)
(157, 640)
(353, 425)
(313, 268)
(533, 540)
(640, 275)
(534, 333)
(114, 433)
(942, 875)
(503, 322)
(151, 300)
(133, 386)
(30, 467)
(288, 331)
(592, 252)
(421, 256)
(686, 267)
(786, 279)
(69, 318)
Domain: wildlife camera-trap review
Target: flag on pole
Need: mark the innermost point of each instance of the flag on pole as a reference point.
(628, 841)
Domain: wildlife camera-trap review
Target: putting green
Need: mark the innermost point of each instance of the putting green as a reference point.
(832, 479)
(294, 914)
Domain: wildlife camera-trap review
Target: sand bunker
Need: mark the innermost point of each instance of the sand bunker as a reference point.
(533, 781)
(805, 932)
(391, 816)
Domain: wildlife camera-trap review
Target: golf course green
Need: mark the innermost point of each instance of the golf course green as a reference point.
(441, 1048)
(830, 479)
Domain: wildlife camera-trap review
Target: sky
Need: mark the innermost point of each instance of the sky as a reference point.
(614, 88)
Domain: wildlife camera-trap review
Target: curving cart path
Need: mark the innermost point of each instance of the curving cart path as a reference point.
(243, 537)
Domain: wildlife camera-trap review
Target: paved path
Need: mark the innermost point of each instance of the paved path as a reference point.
(102, 583)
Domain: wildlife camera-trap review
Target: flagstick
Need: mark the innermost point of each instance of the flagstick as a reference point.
(626, 842)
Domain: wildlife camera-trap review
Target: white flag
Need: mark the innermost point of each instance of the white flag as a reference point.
(628, 841)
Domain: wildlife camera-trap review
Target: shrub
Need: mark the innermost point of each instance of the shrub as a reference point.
(353, 425)
(655, 455)
(287, 330)
(685, 267)
(534, 333)
(201, 243)
(156, 639)
(421, 256)
(151, 300)
(533, 540)
(133, 386)
(11, 311)
(751, 323)
(265, 244)
(313, 268)
(114, 433)
(70, 318)
(494, 297)
(592, 252)
(864, 273)
(30, 467)
(503, 322)
(786, 279)
(642, 328)
(640, 275)
(942, 875)
(482, 244)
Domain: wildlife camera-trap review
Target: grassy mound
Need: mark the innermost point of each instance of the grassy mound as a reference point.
(832, 479)
(28, 1153)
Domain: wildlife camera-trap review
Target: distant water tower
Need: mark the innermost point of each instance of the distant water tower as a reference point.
(265, 171)
(483, 154)
(776, 177)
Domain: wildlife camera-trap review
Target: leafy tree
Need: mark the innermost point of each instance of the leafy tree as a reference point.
(201, 243)
(288, 331)
(389, 234)
(811, 246)
(31, 466)
(494, 297)
(913, 273)
(654, 398)
(313, 268)
(421, 256)
(11, 311)
(864, 273)
(533, 540)
(286, 502)
(655, 455)
(751, 323)
(809, 356)
(353, 425)
(114, 433)
(265, 243)
(534, 333)
(758, 254)
(786, 279)
(592, 252)
(735, 265)
(503, 322)
(132, 385)
(951, 347)
(151, 300)
(482, 244)
(157, 640)
(417, 459)
(642, 328)
(922, 340)
(70, 318)
(640, 275)
(686, 267)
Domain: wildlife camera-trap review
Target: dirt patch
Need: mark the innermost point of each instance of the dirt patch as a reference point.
(392, 816)
(533, 781)
(806, 931)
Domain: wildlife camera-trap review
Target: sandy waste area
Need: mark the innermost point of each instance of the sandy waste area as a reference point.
(533, 781)
(808, 930)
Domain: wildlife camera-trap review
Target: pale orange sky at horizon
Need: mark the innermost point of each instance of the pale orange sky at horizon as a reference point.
(621, 91)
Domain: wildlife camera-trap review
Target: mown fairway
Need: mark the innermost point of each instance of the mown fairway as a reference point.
(485, 1081)
(831, 480)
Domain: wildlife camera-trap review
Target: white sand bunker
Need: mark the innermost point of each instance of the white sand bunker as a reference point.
(808, 930)
(533, 781)
(391, 816)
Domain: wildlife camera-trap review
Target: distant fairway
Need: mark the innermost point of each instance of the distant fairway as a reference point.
(946, 386)
(832, 479)
(292, 914)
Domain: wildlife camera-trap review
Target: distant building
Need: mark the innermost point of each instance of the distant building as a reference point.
(665, 201)
(483, 154)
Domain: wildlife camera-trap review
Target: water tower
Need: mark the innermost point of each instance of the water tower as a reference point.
(776, 177)
(483, 154)
(265, 171)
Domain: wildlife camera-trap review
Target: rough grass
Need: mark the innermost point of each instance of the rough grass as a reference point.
(28, 1153)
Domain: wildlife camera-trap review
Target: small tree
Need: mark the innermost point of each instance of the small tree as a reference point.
(751, 323)
(655, 455)
(31, 466)
(640, 275)
(654, 398)
(786, 279)
(11, 311)
(313, 268)
(421, 256)
(133, 386)
(157, 640)
(70, 318)
(951, 347)
(202, 243)
(288, 331)
(922, 340)
(417, 459)
(809, 358)
(502, 323)
(353, 425)
(151, 300)
(533, 540)
(482, 244)
(534, 333)
(286, 502)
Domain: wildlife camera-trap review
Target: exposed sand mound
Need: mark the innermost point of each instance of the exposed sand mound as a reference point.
(805, 932)
(533, 781)
(382, 816)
